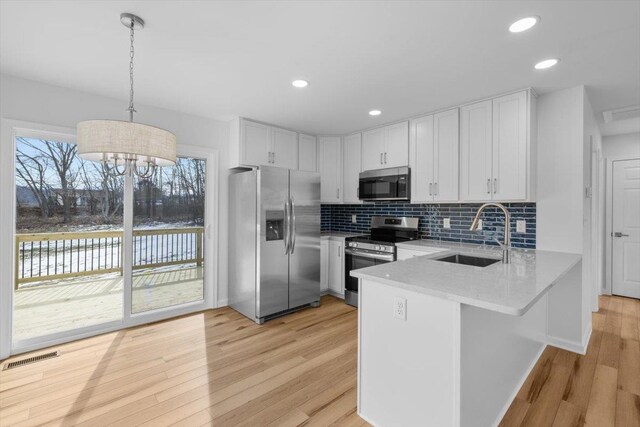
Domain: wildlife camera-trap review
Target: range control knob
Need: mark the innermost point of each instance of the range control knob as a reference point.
(378, 248)
(353, 245)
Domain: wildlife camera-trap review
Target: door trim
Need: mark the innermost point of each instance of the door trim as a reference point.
(608, 285)
(9, 129)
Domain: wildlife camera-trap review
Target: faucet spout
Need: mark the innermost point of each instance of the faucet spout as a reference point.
(506, 248)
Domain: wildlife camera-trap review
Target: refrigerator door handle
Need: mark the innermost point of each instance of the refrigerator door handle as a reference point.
(292, 232)
(286, 228)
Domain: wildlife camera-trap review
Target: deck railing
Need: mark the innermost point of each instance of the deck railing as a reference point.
(49, 256)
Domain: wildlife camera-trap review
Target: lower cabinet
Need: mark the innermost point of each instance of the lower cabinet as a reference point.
(336, 267)
(324, 265)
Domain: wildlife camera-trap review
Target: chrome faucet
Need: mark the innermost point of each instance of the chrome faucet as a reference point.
(506, 248)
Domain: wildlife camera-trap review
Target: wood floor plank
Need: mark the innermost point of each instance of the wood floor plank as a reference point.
(569, 415)
(629, 370)
(627, 409)
(601, 411)
(516, 413)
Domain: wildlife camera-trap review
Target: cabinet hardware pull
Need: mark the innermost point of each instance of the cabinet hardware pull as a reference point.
(337, 193)
(385, 158)
(431, 189)
(273, 157)
(488, 185)
(495, 185)
(380, 158)
(619, 234)
(435, 189)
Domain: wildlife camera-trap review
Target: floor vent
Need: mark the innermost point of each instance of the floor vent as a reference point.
(28, 360)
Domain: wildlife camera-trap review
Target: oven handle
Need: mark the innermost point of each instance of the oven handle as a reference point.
(383, 257)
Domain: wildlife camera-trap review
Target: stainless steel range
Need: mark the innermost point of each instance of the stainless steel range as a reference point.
(377, 248)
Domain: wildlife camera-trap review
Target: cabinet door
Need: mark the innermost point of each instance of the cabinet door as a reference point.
(330, 167)
(445, 153)
(307, 153)
(256, 143)
(476, 152)
(373, 149)
(422, 159)
(351, 160)
(285, 148)
(396, 153)
(336, 267)
(324, 265)
(510, 147)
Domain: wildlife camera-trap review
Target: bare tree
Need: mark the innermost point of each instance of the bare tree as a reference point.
(112, 190)
(31, 171)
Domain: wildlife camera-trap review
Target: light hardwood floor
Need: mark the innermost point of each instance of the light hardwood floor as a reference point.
(219, 368)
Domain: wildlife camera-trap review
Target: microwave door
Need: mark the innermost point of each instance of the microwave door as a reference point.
(384, 187)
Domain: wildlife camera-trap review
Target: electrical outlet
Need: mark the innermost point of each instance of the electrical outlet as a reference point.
(400, 308)
(521, 226)
(479, 224)
(446, 223)
(354, 219)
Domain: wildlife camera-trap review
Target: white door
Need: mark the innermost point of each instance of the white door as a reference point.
(475, 152)
(422, 159)
(330, 165)
(626, 228)
(396, 153)
(307, 153)
(445, 154)
(256, 143)
(510, 147)
(351, 160)
(324, 265)
(285, 148)
(373, 149)
(336, 267)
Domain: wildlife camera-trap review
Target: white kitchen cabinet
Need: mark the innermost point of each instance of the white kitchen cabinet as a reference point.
(307, 153)
(476, 151)
(434, 157)
(373, 146)
(386, 147)
(396, 152)
(324, 265)
(496, 155)
(336, 267)
(254, 144)
(330, 168)
(510, 154)
(284, 148)
(352, 166)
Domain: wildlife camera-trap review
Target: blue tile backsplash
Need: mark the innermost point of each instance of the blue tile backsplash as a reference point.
(338, 218)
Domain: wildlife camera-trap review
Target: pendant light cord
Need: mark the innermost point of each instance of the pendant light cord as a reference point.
(131, 109)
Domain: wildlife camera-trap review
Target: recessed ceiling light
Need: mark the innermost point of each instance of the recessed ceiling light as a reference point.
(375, 112)
(300, 83)
(524, 24)
(547, 63)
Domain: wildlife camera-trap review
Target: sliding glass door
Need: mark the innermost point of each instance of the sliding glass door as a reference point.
(95, 252)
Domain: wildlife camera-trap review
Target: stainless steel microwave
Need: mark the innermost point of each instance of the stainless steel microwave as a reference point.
(385, 184)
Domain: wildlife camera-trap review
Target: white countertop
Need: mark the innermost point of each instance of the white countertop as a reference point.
(505, 288)
(337, 234)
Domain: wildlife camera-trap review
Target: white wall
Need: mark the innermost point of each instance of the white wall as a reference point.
(621, 146)
(563, 213)
(36, 102)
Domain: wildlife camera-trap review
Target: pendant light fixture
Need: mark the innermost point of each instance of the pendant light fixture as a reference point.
(131, 148)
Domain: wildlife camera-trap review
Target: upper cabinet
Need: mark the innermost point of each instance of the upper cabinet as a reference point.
(496, 154)
(254, 144)
(434, 157)
(386, 147)
(307, 153)
(330, 168)
(352, 166)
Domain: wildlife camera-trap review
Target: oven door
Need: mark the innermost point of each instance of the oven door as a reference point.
(355, 259)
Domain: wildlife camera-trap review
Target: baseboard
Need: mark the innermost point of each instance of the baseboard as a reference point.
(335, 294)
(575, 347)
(223, 303)
(517, 388)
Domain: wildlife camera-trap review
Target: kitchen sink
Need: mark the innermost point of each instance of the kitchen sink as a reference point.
(468, 260)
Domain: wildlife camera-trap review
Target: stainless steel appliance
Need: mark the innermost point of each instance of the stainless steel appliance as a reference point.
(385, 184)
(274, 241)
(377, 248)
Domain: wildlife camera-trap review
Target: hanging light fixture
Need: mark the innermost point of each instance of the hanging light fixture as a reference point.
(132, 148)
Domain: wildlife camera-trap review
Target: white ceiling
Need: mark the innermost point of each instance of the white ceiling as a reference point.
(220, 59)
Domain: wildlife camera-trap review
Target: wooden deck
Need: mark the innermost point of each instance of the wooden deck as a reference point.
(62, 305)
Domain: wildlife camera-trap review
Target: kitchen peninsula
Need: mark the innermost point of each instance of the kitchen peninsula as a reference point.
(447, 344)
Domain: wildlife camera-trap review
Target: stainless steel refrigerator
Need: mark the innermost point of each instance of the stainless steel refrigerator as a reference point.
(274, 241)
